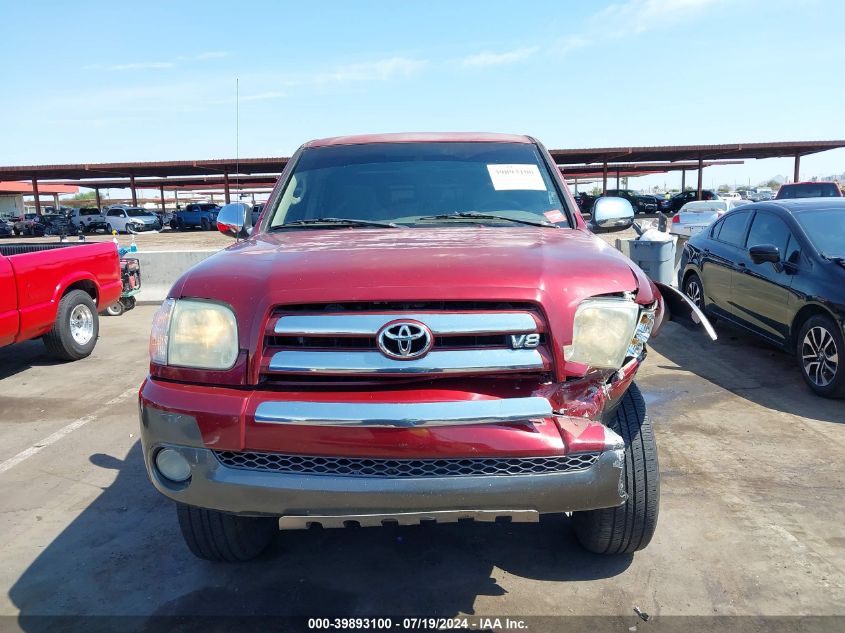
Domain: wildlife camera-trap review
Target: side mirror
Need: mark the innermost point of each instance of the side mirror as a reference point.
(235, 220)
(762, 253)
(611, 214)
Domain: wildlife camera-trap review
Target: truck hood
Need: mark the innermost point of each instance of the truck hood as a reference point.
(554, 268)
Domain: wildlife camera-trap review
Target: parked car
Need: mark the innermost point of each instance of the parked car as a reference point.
(777, 269)
(53, 291)
(6, 229)
(201, 214)
(421, 327)
(729, 195)
(822, 189)
(23, 224)
(132, 220)
(88, 219)
(647, 203)
(52, 224)
(696, 216)
(761, 194)
(680, 199)
(638, 202)
(585, 202)
(256, 212)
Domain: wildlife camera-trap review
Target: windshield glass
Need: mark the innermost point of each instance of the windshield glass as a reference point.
(403, 183)
(706, 205)
(138, 213)
(809, 190)
(825, 229)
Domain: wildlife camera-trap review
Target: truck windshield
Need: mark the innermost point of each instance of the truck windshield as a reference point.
(411, 184)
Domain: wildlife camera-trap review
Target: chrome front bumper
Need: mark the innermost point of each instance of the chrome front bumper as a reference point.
(372, 500)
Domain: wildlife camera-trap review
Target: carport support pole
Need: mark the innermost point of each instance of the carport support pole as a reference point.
(617, 179)
(797, 165)
(700, 177)
(604, 181)
(226, 187)
(134, 193)
(161, 191)
(683, 180)
(56, 201)
(37, 197)
(97, 196)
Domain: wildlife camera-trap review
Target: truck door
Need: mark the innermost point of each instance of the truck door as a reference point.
(9, 318)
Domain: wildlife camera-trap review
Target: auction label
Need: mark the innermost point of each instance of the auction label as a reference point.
(516, 177)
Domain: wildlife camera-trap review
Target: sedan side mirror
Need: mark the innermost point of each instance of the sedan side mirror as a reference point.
(762, 253)
(235, 220)
(611, 214)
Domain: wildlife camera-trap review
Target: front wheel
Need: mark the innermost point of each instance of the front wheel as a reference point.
(204, 224)
(629, 527)
(225, 538)
(820, 356)
(75, 331)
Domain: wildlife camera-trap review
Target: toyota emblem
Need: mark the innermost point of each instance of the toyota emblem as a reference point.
(405, 340)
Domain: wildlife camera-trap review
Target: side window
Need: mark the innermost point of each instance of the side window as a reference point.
(769, 229)
(792, 253)
(113, 213)
(733, 228)
(714, 232)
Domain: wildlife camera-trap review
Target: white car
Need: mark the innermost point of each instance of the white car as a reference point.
(730, 195)
(132, 220)
(696, 216)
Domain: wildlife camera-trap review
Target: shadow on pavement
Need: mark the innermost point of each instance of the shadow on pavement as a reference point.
(17, 358)
(746, 366)
(123, 555)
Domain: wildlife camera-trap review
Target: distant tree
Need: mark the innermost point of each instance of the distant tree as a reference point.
(85, 195)
(773, 184)
(595, 191)
(724, 188)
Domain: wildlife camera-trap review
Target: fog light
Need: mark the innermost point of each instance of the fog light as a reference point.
(172, 465)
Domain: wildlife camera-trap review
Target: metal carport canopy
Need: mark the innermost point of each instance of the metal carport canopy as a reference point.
(692, 152)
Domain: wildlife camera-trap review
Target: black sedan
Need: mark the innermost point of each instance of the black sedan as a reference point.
(680, 199)
(777, 268)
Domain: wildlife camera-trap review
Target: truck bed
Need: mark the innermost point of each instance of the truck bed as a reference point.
(10, 250)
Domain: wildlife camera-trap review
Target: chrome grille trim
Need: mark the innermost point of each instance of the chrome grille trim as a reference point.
(405, 415)
(369, 324)
(405, 468)
(374, 363)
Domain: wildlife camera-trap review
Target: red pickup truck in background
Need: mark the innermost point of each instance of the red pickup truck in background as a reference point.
(55, 291)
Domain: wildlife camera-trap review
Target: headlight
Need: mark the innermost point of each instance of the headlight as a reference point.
(603, 333)
(194, 333)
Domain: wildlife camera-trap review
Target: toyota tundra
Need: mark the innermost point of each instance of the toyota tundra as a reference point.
(419, 327)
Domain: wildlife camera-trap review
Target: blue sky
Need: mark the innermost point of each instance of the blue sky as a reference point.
(107, 81)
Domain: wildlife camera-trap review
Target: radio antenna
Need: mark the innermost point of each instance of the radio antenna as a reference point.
(237, 133)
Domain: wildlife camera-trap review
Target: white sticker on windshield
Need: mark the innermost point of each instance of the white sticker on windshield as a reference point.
(513, 177)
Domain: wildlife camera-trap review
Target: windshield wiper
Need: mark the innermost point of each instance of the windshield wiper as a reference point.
(337, 221)
(474, 215)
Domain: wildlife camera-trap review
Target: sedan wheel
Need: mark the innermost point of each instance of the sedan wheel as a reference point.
(695, 291)
(820, 346)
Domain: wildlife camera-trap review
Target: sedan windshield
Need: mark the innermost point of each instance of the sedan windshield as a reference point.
(825, 229)
(420, 184)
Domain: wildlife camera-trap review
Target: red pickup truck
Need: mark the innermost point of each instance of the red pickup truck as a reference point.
(420, 327)
(54, 291)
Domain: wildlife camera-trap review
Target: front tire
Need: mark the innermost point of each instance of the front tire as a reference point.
(115, 309)
(205, 225)
(821, 353)
(77, 326)
(225, 538)
(629, 527)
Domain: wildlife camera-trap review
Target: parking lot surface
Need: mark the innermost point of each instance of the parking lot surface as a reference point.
(752, 519)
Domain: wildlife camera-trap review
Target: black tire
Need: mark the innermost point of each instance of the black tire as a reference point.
(825, 377)
(692, 282)
(629, 527)
(60, 341)
(205, 225)
(17, 231)
(225, 538)
(173, 225)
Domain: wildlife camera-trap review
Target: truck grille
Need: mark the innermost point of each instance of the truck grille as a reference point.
(316, 341)
(405, 468)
